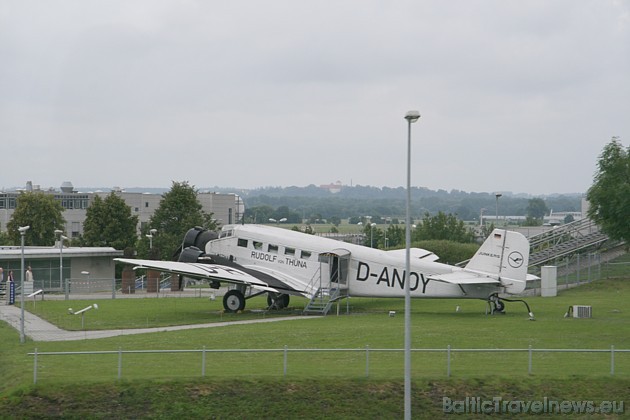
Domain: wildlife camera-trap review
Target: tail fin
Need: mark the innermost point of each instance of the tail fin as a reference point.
(504, 254)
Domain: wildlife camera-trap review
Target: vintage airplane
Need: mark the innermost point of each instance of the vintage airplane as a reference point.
(257, 259)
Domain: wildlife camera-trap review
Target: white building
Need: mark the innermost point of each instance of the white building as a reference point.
(87, 263)
(226, 208)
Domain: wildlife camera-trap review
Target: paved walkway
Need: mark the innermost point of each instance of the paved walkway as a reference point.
(40, 330)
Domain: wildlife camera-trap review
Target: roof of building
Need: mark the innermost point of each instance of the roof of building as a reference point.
(15, 252)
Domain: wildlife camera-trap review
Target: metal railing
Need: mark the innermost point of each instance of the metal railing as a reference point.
(285, 351)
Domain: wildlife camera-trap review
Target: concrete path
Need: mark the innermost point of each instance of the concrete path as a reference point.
(38, 329)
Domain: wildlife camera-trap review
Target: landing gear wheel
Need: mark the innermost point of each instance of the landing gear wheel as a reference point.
(499, 306)
(277, 301)
(234, 301)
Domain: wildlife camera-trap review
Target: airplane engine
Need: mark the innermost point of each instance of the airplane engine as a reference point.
(191, 254)
(198, 237)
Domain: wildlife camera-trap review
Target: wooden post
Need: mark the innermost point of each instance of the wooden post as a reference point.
(128, 280)
(153, 280)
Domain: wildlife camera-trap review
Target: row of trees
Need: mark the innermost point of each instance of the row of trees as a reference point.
(442, 226)
(535, 210)
(445, 235)
(312, 203)
(110, 222)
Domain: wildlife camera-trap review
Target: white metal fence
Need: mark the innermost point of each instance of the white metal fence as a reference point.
(285, 351)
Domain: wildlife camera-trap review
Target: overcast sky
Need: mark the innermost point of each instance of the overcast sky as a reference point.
(515, 96)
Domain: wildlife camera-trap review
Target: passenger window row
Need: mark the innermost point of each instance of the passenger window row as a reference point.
(274, 249)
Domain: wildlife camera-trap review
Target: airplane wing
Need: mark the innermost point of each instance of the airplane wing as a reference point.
(217, 272)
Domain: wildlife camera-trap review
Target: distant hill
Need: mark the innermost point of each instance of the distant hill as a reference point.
(367, 200)
(362, 200)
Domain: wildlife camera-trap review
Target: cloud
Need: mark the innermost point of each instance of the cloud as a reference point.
(251, 93)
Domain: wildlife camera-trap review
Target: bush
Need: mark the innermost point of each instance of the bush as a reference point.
(450, 252)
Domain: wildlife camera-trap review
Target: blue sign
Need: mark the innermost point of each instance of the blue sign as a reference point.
(11, 292)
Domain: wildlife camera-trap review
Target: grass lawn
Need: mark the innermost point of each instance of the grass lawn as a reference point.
(322, 384)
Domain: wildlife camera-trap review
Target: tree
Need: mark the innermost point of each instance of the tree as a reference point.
(395, 236)
(4, 238)
(283, 212)
(609, 196)
(536, 208)
(259, 214)
(373, 235)
(39, 211)
(335, 221)
(445, 227)
(179, 211)
(109, 222)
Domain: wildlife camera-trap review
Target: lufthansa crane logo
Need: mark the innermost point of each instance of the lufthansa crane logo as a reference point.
(515, 259)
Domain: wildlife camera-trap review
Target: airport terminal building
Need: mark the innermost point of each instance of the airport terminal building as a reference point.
(52, 266)
(226, 208)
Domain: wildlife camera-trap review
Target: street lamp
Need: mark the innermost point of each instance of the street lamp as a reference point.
(61, 239)
(87, 279)
(411, 117)
(150, 236)
(372, 234)
(22, 231)
(497, 195)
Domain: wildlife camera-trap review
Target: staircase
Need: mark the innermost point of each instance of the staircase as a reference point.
(564, 240)
(322, 301)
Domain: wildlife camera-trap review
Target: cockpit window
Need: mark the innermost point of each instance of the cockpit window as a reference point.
(226, 233)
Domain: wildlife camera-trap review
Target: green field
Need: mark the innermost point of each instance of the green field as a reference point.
(318, 384)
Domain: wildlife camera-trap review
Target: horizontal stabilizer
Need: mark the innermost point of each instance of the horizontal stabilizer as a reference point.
(463, 277)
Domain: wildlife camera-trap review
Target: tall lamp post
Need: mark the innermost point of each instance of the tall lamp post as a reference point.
(61, 239)
(150, 236)
(411, 117)
(372, 234)
(497, 195)
(22, 231)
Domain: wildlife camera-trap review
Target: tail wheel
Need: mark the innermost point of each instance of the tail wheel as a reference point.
(234, 301)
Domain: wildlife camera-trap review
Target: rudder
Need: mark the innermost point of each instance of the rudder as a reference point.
(505, 254)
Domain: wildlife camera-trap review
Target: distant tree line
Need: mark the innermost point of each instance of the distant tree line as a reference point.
(314, 204)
